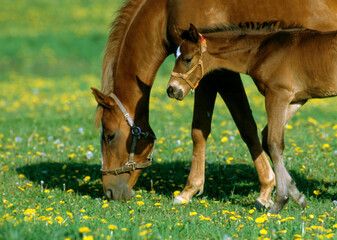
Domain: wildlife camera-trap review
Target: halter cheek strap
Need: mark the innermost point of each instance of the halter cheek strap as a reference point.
(200, 63)
(137, 134)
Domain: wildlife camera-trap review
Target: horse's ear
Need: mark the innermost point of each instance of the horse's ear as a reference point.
(103, 99)
(193, 32)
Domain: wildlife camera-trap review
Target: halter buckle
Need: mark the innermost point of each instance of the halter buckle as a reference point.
(132, 165)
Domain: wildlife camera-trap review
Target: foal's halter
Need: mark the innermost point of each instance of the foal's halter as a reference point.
(200, 63)
(137, 133)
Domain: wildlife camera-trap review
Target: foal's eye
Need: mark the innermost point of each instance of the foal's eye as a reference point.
(110, 137)
(187, 60)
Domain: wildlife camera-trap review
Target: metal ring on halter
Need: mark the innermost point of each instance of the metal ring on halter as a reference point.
(136, 131)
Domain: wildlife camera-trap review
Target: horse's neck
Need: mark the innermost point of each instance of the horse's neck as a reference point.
(231, 51)
(141, 51)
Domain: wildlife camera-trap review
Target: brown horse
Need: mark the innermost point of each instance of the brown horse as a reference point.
(142, 36)
(288, 67)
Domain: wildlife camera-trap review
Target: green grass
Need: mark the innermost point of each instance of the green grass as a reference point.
(51, 54)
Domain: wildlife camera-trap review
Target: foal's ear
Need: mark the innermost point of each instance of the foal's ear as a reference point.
(193, 32)
(103, 99)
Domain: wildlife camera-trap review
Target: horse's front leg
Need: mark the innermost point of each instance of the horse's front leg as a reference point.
(294, 193)
(204, 101)
(234, 95)
(277, 102)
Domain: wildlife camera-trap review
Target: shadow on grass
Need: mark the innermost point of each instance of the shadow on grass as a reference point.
(234, 182)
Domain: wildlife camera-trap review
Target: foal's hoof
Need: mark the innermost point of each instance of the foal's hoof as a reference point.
(179, 200)
(302, 201)
(263, 206)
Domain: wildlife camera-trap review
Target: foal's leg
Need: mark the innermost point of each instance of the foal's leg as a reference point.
(204, 101)
(277, 102)
(233, 93)
(294, 193)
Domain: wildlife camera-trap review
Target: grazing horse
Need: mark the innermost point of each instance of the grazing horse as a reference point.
(288, 67)
(142, 36)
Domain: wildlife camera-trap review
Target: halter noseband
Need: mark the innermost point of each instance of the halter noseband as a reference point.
(184, 76)
(137, 133)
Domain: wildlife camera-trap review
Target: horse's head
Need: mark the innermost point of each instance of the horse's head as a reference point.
(124, 146)
(189, 67)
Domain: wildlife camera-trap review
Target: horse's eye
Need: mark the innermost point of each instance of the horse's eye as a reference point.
(110, 137)
(187, 60)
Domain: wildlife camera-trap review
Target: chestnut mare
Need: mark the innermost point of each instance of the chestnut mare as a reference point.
(288, 67)
(143, 35)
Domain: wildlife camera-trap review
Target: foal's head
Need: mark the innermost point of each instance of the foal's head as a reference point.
(189, 66)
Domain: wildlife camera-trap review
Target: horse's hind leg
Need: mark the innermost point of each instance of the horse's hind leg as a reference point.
(294, 193)
(201, 127)
(232, 92)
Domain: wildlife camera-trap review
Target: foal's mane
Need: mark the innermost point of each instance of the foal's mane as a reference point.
(252, 26)
(119, 29)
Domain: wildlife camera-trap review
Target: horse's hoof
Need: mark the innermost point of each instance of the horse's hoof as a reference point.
(302, 201)
(263, 206)
(179, 200)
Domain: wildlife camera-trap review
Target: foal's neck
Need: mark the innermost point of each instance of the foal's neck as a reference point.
(233, 49)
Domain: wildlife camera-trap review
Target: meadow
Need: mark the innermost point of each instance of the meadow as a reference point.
(50, 183)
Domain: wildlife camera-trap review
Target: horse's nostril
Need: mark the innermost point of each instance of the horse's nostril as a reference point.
(170, 91)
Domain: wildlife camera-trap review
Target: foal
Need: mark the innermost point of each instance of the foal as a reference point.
(288, 67)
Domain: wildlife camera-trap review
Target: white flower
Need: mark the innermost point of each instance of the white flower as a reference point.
(18, 139)
(81, 130)
(50, 138)
(89, 154)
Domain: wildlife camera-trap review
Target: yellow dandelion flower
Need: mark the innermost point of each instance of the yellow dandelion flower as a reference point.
(176, 193)
(261, 219)
(140, 203)
(59, 219)
(317, 192)
(325, 145)
(193, 213)
(224, 139)
(105, 205)
(112, 227)
(88, 238)
(124, 229)
(84, 230)
(263, 231)
(157, 204)
(143, 233)
(70, 215)
(87, 178)
(49, 209)
(29, 211)
(330, 235)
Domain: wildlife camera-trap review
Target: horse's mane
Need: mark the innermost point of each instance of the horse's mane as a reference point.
(251, 26)
(119, 29)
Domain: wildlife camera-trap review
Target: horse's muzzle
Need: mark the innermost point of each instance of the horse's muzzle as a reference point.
(175, 92)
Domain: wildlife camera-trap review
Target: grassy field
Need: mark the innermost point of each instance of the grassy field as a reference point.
(50, 184)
